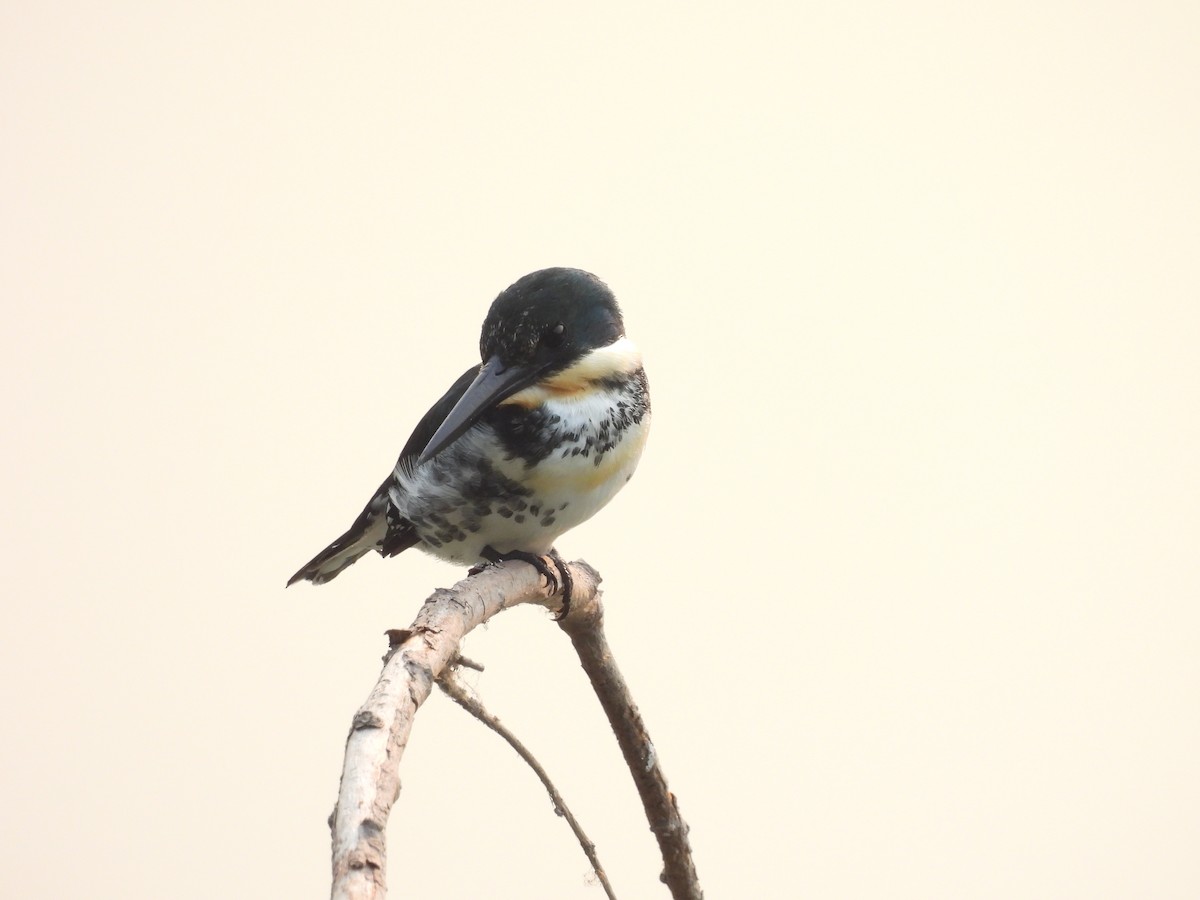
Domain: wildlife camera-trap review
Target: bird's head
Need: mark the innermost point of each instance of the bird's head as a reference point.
(548, 320)
(552, 333)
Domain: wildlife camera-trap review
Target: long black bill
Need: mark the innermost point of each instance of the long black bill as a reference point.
(493, 384)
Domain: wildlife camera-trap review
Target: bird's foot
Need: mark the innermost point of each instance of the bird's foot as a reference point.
(565, 579)
(558, 578)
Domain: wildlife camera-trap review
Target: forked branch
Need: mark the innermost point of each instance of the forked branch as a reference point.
(418, 657)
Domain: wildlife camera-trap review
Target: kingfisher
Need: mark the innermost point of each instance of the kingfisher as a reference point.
(524, 446)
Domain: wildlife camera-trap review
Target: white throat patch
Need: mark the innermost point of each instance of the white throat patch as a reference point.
(619, 358)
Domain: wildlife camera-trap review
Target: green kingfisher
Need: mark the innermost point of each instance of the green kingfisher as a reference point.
(524, 446)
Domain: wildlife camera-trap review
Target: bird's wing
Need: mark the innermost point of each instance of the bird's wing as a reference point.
(378, 526)
(400, 534)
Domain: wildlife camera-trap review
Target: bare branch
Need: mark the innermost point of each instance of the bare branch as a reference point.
(380, 730)
(457, 691)
(419, 656)
(585, 626)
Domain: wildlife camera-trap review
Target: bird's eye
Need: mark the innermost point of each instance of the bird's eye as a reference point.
(555, 336)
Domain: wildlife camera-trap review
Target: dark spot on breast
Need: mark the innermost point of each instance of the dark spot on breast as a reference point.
(548, 521)
(535, 509)
(519, 518)
(505, 511)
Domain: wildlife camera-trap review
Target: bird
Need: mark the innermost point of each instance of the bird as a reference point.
(527, 444)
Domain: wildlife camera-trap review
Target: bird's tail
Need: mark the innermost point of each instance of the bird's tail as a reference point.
(366, 534)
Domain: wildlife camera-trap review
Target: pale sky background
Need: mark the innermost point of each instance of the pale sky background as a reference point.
(907, 583)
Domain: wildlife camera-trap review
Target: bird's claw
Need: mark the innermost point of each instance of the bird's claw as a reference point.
(557, 578)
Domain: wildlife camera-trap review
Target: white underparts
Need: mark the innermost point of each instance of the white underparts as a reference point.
(590, 443)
